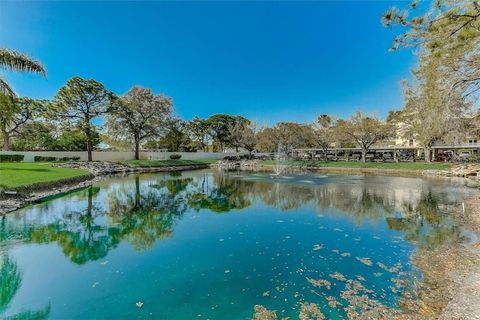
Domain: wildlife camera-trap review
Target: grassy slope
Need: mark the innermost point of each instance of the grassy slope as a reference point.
(166, 163)
(374, 165)
(19, 174)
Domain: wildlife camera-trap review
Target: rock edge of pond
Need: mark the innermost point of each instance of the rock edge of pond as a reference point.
(23, 197)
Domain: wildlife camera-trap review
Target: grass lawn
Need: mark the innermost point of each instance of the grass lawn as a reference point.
(166, 163)
(374, 165)
(19, 174)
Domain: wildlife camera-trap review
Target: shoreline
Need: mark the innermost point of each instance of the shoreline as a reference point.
(98, 170)
(381, 171)
(29, 195)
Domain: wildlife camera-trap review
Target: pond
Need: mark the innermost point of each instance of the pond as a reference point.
(212, 245)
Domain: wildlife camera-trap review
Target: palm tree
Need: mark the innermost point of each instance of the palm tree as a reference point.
(16, 61)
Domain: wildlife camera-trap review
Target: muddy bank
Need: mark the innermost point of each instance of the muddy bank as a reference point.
(463, 278)
(98, 170)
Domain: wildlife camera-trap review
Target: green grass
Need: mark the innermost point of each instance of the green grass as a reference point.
(166, 163)
(15, 175)
(373, 165)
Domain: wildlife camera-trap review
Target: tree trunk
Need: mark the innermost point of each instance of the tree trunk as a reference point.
(427, 151)
(137, 192)
(88, 134)
(90, 201)
(6, 142)
(137, 149)
(89, 149)
(364, 155)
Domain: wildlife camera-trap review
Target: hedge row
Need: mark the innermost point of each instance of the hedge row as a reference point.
(11, 157)
(51, 159)
(175, 156)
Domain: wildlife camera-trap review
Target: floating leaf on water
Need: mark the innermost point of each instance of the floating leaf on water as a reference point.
(266, 293)
(377, 274)
(338, 230)
(384, 267)
(139, 304)
(360, 278)
(332, 302)
(365, 261)
(227, 271)
(320, 283)
(338, 276)
(104, 262)
(94, 284)
(317, 247)
(346, 254)
(336, 251)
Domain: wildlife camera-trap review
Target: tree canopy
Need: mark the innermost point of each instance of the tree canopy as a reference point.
(80, 101)
(139, 115)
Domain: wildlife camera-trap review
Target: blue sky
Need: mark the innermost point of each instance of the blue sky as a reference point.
(284, 61)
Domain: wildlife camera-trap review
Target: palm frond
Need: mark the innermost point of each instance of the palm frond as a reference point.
(16, 61)
(5, 88)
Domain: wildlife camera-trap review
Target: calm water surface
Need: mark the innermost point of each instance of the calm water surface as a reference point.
(210, 245)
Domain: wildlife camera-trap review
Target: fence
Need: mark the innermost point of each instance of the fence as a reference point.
(119, 156)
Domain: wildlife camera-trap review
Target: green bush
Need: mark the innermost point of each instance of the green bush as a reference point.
(175, 156)
(11, 157)
(44, 159)
(70, 158)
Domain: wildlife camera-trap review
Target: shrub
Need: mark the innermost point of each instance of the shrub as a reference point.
(44, 159)
(11, 157)
(175, 156)
(70, 159)
(231, 158)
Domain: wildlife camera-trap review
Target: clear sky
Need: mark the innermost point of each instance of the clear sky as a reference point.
(284, 61)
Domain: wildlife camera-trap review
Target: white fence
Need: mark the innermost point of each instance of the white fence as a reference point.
(119, 156)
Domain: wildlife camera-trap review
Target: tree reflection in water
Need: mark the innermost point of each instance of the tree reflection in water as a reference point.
(142, 209)
(10, 280)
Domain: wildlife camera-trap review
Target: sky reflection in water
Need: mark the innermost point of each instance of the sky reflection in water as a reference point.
(211, 245)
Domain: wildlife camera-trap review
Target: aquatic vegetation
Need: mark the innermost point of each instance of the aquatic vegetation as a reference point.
(365, 261)
(338, 276)
(360, 278)
(310, 311)
(262, 313)
(332, 302)
(393, 269)
(320, 283)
